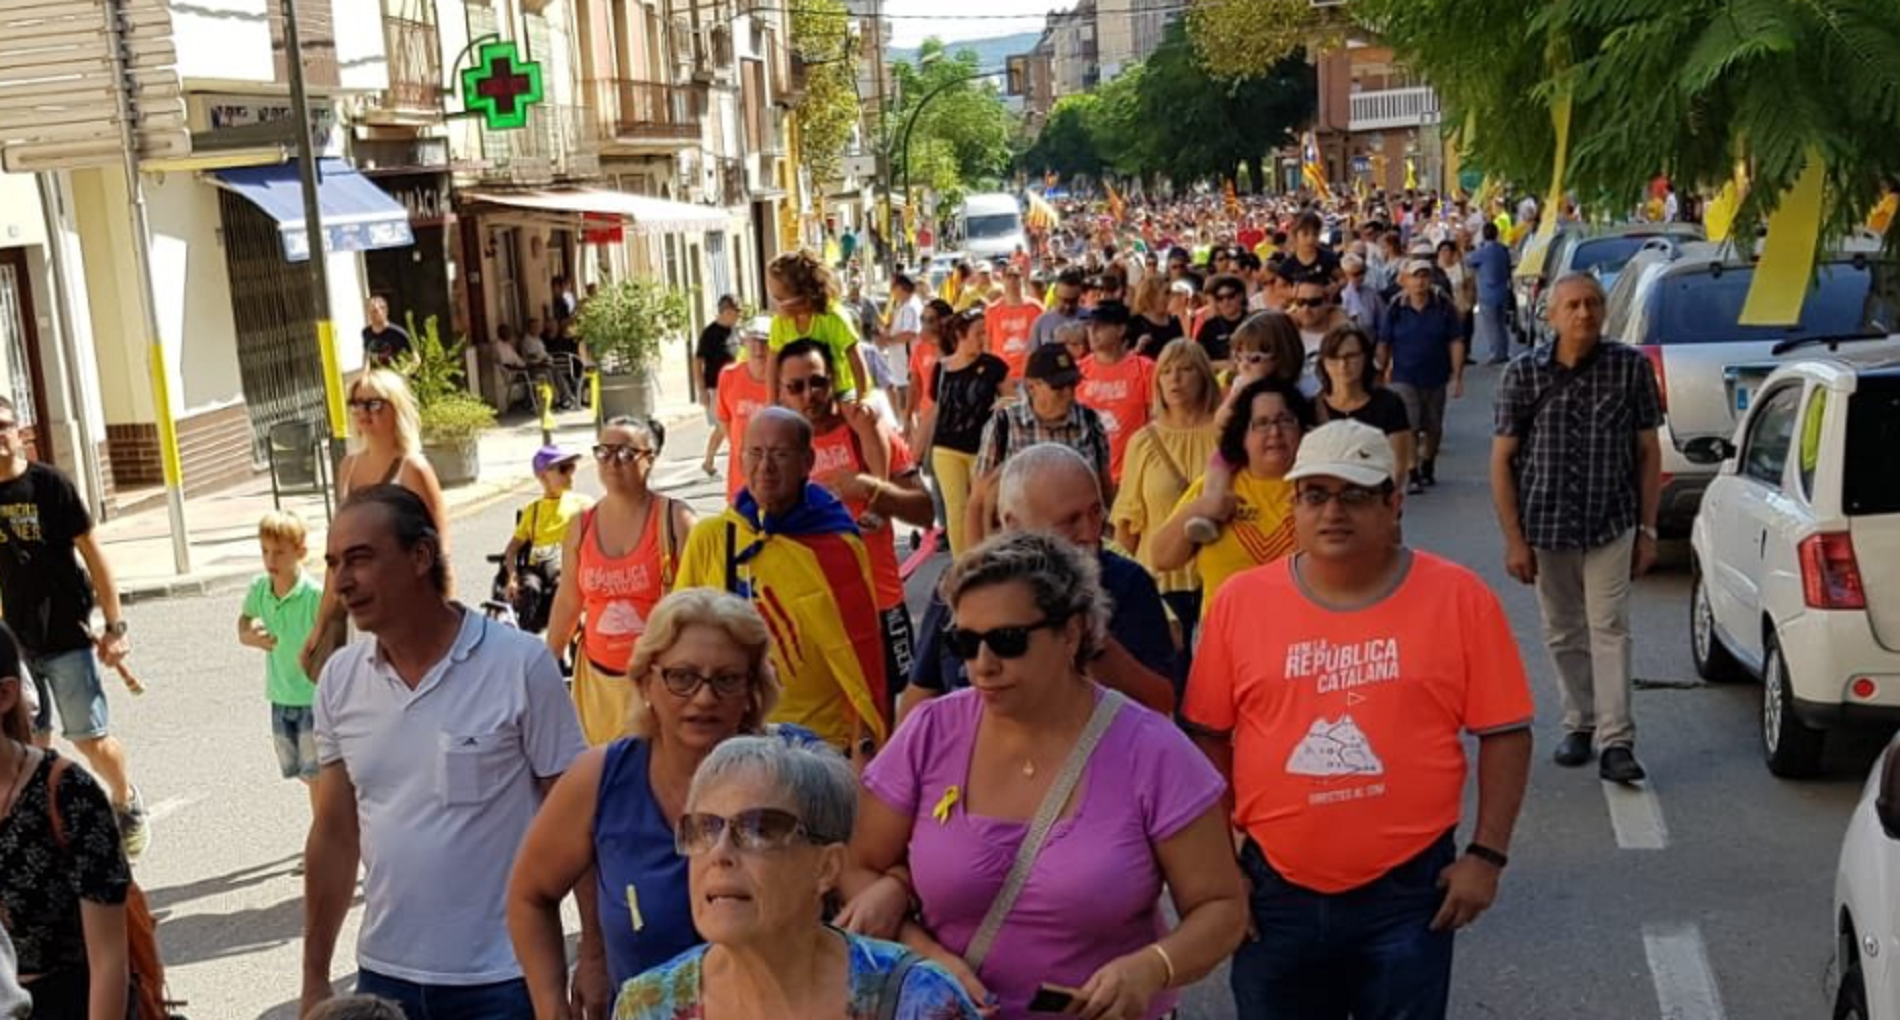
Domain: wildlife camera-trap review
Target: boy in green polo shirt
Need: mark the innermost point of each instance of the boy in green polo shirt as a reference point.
(279, 613)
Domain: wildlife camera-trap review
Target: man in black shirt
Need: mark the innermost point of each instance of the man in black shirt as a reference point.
(383, 340)
(47, 598)
(715, 351)
(1230, 309)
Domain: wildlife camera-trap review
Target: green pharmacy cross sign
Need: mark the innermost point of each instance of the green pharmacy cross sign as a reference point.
(501, 86)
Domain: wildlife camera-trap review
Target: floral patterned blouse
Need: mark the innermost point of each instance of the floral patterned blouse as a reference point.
(671, 991)
(41, 883)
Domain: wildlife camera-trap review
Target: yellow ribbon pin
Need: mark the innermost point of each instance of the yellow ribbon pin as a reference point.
(949, 800)
(633, 908)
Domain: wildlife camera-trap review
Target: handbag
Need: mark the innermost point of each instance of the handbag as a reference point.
(1052, 802)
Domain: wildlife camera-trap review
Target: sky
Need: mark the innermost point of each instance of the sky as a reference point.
(1019, 16)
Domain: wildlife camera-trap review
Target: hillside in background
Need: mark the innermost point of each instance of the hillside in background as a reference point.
(990, 52)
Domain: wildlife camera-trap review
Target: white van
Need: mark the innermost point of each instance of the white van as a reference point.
(991, 226)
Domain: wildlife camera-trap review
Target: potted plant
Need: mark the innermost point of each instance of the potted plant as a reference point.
(453, 419)
(625, 327)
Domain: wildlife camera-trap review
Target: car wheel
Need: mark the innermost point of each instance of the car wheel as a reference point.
(1792, 748)
(1712, 659)
(1850, 1003)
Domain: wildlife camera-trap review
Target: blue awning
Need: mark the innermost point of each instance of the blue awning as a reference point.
(357, 215)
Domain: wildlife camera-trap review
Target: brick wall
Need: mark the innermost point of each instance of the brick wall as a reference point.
(214, 449)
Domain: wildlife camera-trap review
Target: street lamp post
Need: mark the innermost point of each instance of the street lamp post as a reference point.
(911, 121)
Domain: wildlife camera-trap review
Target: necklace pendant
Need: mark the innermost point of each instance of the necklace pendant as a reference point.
(1029, 768)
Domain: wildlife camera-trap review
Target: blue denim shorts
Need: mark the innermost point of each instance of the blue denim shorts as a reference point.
(503, 1000)
(69, 681)
(294, 730)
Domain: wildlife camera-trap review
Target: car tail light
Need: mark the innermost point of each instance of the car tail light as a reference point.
(1864, 688)
(1830, 578)
(1655, 355)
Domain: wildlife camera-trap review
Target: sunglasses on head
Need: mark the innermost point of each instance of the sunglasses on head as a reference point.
(369, 405)
(756, 831)
(1004, 642)
(814, 383)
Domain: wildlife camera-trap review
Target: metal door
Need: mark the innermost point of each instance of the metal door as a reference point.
(278, 362)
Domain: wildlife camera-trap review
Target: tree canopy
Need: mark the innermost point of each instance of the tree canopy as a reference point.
(960, 137)
(828, 113)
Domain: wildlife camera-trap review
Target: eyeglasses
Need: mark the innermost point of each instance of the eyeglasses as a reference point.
(757, 831)
(1277, 423)
(371, 405)
(621, 452)
(1352, 497)
(683, 682)
(1004, 642)
(814, 383)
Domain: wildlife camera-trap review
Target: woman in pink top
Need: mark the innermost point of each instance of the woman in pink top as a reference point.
(621, 554)
(947, 806)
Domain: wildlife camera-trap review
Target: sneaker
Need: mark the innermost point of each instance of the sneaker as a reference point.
(1415, 487)
(1202, 531)
(134, 831)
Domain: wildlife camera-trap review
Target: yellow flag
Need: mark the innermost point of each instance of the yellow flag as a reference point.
(1787, 257)
(1719, 215)
(1411, 173)
(1533, 263)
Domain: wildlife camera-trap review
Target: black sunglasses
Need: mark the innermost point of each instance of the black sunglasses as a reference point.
(1304, 302)
(1004, 642)
(815, 383)
(757, 830)
(372, 405)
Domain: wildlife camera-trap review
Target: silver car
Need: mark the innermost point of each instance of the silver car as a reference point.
(1601, 251)
(1681, 307)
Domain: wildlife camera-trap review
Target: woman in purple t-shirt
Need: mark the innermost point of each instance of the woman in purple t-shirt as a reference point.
(949, 803)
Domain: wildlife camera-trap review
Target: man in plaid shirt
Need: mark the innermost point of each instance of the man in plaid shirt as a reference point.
(1048, 413)
(1576, 474)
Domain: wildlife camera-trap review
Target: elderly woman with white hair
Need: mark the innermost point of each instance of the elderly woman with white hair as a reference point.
(1034, 818)
(766, 829)
(703, 673)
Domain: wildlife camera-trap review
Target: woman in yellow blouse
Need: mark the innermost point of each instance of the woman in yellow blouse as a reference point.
(1162, 460)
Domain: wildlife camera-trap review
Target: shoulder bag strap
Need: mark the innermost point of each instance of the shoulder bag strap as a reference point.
(1161, 449)
(732, 558)
(53, 776)
(1528, 420)
(1039, 829)
(890, 993)
(669, 543)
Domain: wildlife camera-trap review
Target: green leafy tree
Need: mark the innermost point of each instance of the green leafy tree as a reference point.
(1196, 125)
(829, 111)
(1240, 40)
(966, 119)
(1067, 143)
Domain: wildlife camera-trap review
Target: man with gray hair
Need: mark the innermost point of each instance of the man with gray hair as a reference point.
(1049, 487)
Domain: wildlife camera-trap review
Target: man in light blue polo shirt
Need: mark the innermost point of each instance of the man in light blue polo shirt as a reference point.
(438, 740)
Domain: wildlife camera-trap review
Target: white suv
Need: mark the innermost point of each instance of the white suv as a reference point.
(1864, 974)
(1797, 555)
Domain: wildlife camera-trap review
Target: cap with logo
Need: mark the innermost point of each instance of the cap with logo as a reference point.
(1349, 450)
(1054, 365)
(550, 455)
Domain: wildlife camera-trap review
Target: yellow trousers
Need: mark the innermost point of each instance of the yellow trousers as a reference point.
(603, 701)
(953, 469)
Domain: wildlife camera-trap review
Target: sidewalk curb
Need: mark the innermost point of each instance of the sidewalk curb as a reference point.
(482, 496)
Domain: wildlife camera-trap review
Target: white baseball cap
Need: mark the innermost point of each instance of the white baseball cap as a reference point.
(1345, 449)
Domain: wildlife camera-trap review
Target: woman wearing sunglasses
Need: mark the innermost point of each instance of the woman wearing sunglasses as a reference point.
(765, 829)
(386, 449)
(1037, 769)
(703, 673)
(623, 552)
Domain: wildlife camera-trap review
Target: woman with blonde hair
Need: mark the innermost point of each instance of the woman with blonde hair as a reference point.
(1153, 325)
(1163, 459)
(804, 299)
(386, 449)
(703, 674)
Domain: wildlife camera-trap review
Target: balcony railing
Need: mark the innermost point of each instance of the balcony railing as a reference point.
(415, 66)
(1393, 108)
(552, 144)
(648, 111)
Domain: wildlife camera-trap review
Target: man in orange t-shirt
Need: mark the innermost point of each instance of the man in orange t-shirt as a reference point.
(741, 394)
(1116, 382)
(1010, 321)
(875, 498)
(1338, 718)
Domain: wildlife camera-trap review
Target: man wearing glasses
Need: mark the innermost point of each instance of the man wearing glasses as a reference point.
(1216, 335)
(1339, 721)
(793, 549)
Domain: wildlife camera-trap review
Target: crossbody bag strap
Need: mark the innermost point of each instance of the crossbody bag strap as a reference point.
(53, 775)
(890, 993)
(1039, 829)
(1180, 477)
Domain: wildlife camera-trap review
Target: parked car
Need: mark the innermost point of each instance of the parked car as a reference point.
(1603, 251)
(1682, 307)
(1862, 977)
(1794, 555)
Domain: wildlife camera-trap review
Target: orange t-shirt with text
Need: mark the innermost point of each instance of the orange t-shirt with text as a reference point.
(1348, 725)
(924, 355)
(1009, 327)
(740, 397)
(835, 450)
(1121, 394)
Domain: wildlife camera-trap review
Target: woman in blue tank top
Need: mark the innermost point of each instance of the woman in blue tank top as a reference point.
(704, 673)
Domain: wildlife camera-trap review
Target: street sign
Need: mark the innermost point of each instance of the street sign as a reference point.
(501, 86)
(63, 67)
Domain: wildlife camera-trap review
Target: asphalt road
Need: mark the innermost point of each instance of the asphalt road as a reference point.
(1705, 896)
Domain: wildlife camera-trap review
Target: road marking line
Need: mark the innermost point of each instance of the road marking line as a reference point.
(1679, 964)
(1636, 815)
(170, 805)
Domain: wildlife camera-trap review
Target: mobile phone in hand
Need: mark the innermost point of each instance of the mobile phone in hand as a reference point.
(1053, 998)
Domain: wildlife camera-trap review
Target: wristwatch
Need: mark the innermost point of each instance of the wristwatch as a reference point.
(1650, 533)
(1495, 858)
(117, 628)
